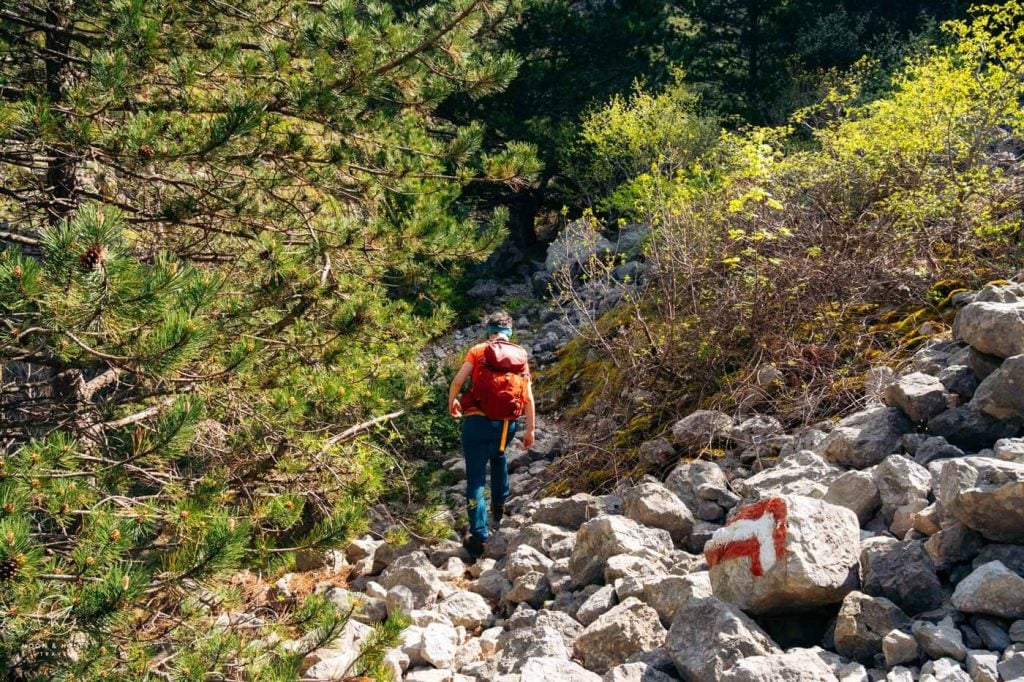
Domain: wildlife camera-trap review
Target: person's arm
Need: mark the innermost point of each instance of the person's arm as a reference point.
(454, 407)
(531, 417)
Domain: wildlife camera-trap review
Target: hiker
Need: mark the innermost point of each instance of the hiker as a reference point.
(500, 392)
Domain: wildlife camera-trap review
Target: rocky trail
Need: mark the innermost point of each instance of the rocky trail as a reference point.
(887, 546)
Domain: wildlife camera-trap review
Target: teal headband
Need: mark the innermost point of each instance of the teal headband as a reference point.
(498, 329)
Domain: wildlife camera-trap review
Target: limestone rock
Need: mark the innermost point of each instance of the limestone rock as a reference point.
(953, 544)
(797, 665)
(901, 572)
(696, 481)
(531, 588)
(991, 589)
(573, 512)
(553, 669)
(575, 246)
(855, 490)
(560, 622)
(865, 438)
(863, 622)
(919, 395)
(599, 602)
(668, 594)
(1010, 450)
(901, 481)
(940, 639)
(516, 647)
(993, 328)
(467, 609)
(982, 666)
(800, 473)
(1001, 394)
(604, 537)
(652, 504)
(898, 647)
(439, 645)
(630, 627)
(636, 672)
(985, 494)
(785, 553)
(709, 636)
(971, 429)
(943, 670)
(525, 559)
(702, 429)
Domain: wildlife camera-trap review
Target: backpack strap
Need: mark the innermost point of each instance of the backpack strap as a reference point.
(504, 435)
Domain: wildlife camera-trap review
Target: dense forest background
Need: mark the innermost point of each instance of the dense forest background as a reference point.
(230, 230)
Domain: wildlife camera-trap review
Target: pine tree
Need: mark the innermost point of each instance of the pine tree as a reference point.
(222, 224)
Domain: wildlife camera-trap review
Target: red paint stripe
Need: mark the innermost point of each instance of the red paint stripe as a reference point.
(751, 547)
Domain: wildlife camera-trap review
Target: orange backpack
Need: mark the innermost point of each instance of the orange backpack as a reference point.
(501, 380)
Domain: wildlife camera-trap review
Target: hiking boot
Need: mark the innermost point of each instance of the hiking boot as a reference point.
(496, 514)
(474, 546)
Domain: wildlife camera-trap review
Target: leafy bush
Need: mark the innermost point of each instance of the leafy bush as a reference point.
(819, 261)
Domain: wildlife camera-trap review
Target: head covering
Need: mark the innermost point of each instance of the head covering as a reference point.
(499, 329)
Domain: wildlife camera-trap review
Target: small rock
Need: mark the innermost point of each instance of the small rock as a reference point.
(940, 639)
(943, 670)
(525, 559)
(553, 669)
(993, 328)
(630, 627)
(901, 572)
(985, 494)
(865, 438)
(668, 594)
(1017, 631)
(796, 664)
(1001, 394)
(467, 609)
(709, 636)
(573, 512)
(934, 448)
(992, 634)
(635, 672)
(898, 647)
(991, 589)
(652, 504)
(863, 622)
(953, 544)
(1011, 668)
(606, 536)
(855, 490)
(901, 481)
(1010, 450)
(439, 645)
(919, 395)
(982, 666)
(531, 588)
(516, 647)
(702, 429)
(596, 604)
(694, 481)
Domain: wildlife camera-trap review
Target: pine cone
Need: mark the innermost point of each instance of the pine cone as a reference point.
(146, 151)
(8, 569)
(93, 257)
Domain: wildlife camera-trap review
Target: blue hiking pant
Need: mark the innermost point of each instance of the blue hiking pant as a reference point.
(482, 443)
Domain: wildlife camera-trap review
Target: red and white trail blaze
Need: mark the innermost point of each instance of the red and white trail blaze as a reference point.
(757, 531)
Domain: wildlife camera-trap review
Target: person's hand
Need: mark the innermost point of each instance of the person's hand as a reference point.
(528, 438)
(455, 409)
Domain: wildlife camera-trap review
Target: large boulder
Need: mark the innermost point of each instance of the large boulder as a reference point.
(901, 572)
(865, 438)
(709, 636)
(991, 589)
(985, 494)
(785, 553)
(702, 429)
(1001, 394)
(573, 512)
(993, 328)
(652, 504)
(606, 536)
(919, 395)
(630, 627)
(862, 624)
(796, 665)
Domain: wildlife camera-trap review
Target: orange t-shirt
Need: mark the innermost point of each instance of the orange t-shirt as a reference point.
(475, 357)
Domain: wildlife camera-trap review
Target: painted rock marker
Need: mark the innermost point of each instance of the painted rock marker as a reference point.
(757, 531)
(785, 553)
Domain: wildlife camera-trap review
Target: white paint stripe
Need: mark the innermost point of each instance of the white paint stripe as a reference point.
(762, 528)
